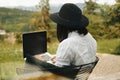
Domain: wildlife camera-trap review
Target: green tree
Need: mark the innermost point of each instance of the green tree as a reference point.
(90, 7)
(91, 10)
(105, 14)
(104, 20)
(115, 14)
(42, 22)
(117, 1)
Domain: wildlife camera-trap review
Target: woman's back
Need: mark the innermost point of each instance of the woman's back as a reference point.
(76, 49)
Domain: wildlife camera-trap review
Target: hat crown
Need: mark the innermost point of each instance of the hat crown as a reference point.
(70, 15)
(70, 12)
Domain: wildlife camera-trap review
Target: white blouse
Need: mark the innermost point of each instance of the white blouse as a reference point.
(76, 50)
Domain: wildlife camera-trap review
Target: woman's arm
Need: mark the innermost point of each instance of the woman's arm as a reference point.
(39, 57)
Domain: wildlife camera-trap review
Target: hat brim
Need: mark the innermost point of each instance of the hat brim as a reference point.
(82, 23)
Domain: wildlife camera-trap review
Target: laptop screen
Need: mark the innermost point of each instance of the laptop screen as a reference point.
(34, 43)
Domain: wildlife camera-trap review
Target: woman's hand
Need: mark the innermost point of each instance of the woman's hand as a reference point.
(53, 59)
(39, 57)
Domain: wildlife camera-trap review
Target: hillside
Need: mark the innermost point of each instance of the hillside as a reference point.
(14, 19)
(53, 7)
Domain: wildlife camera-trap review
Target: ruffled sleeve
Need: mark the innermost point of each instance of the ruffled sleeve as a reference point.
(64, 54)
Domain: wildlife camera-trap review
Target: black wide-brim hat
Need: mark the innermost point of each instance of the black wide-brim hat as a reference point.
(70, 15)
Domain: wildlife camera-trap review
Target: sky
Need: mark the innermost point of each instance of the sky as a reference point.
(5, 3)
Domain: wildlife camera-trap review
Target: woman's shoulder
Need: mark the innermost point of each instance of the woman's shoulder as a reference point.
(68, 41)
(65, 41)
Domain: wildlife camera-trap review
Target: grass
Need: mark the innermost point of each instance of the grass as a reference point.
(8, 70)
(52, 47)
(11, 55)
(10, 52)
(109, 46)
(10, 59)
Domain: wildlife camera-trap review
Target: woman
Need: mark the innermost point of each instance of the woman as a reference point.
(77, 46)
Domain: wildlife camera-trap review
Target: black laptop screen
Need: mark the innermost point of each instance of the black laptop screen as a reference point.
(34, 43)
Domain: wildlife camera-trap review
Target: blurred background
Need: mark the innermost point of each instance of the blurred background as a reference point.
(18, 17)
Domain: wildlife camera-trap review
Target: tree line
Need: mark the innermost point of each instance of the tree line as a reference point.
(104, 19)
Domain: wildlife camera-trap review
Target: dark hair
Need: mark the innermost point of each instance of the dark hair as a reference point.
(62, 31)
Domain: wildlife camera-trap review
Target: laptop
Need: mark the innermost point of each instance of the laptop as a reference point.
(34, 43)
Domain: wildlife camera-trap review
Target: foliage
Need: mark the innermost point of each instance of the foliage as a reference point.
(104, 20)
(117, 50)
(110, 14)
(118, 1)
(43, 21)
(90, 7)
(18, 36)
(115, 14)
